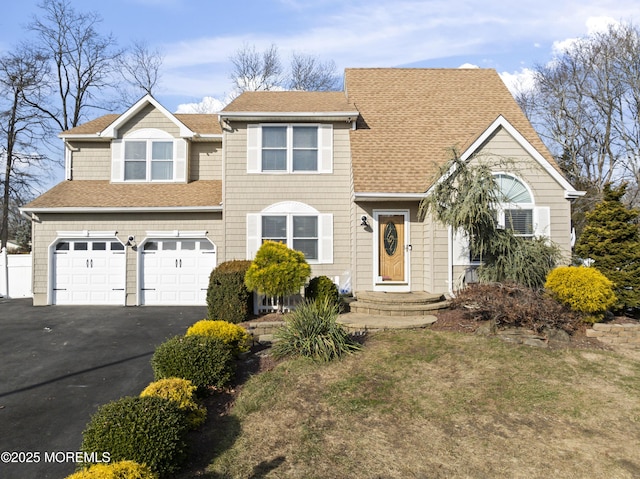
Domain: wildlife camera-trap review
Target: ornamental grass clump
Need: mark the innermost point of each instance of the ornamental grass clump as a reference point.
(235, 336)
(182, 392)
(116, 470)
(312, 331)
(584, 289)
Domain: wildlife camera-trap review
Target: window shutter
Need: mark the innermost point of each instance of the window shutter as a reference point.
(542, 221)
(253, 149)
(254, 236)
(325, 238)
(180, 159)
(325, 148)
(117, 160)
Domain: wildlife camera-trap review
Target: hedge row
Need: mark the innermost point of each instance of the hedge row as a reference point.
(145, 436)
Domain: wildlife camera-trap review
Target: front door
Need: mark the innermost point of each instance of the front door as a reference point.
(391, 251)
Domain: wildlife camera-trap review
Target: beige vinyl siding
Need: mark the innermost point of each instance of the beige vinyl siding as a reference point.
(205, 162)
(91, 160)
(149, 117)
(251, 193)
(125, 225)
(546, 191)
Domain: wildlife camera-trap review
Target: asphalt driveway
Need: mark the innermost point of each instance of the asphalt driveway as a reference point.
(58, 364)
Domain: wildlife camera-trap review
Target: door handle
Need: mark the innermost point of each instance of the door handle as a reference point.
(91, 263)
(87, 263)
(176, 263)
(181, 263)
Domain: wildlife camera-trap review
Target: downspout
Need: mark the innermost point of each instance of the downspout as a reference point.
(450, 260)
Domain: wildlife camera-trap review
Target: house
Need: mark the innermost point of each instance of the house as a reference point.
(153, 201)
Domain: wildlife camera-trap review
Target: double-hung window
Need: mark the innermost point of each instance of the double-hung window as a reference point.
(296, 231)
(295, 148)
(297, 225)
(148, 160)
(289, 148)
(516, 212)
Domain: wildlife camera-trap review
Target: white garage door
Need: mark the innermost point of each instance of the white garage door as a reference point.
(176, 271)
(89, 272)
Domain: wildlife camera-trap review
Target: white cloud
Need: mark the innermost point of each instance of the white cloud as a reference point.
(519, 81)
(468, 65)
(594, 26)
(207, 105)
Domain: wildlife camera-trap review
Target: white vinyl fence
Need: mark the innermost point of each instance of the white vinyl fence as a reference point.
(15, 275)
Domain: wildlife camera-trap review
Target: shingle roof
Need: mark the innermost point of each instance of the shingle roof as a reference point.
(202, 123)
(104, 194)
(290, 101)
(411, 118)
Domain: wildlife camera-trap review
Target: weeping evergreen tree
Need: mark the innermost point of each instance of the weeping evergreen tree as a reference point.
(465, 197)
(611, 239)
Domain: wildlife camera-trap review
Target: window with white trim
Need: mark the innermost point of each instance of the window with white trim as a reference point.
(296, 231)
(295, 224)
(516, 211)
(149, 155)
(148, 160)
(293, 148)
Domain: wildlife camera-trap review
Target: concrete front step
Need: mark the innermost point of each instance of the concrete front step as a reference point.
(356, 322)
(418, 297)
(397, 304)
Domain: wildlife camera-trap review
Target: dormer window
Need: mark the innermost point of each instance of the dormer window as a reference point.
(148, 160)
(149, 155)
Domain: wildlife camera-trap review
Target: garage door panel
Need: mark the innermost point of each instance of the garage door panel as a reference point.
(177, 272)
(88, 272)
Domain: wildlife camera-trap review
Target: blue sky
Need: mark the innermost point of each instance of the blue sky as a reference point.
(197, 37)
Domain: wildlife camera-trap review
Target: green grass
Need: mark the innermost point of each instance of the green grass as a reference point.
(431, 404)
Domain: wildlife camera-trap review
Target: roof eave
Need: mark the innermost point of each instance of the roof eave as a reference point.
(347, 116)
(123, 209)
(380, 196)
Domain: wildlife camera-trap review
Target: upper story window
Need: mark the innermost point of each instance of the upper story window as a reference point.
(295, 148)
(149, 155)
(148, 160)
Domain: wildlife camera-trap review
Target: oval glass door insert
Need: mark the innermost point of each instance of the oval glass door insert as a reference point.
(390, 239)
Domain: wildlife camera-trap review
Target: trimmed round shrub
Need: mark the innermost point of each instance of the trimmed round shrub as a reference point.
(147, 430)
(228, 298)
(311, 331)
(582, 288)
(182, 392)
(321, 288)
(116, 470)
(203, 360)
(235, 336)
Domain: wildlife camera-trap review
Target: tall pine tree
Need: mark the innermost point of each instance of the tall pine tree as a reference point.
(612, 240)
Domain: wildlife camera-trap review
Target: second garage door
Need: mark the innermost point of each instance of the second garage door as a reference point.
(176, 271)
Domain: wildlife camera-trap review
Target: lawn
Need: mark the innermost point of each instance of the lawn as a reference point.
(434, 404)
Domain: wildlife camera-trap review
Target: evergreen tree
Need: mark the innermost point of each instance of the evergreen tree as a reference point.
(277, 271)
(611, 239)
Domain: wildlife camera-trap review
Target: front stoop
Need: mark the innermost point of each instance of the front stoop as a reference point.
(373, 303)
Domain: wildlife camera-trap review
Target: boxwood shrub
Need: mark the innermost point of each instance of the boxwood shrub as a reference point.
(235, 336)
(228, 298)
(182, 392)
(321, 288)
(205, 361)
(148, 430)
